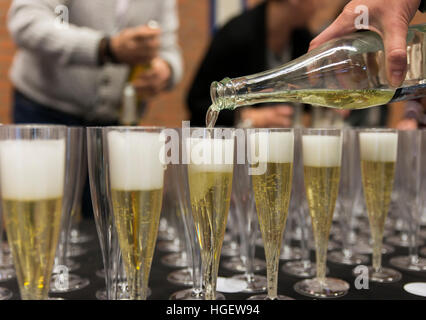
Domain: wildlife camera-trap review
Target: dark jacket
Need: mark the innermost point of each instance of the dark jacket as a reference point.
(237, 49)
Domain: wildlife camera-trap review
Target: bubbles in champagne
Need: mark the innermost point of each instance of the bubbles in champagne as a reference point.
(32, 169)
(211, 155)
(322, 151)
(135, 160)
(378, 146)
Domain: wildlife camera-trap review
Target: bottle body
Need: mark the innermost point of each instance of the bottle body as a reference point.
(348, 72)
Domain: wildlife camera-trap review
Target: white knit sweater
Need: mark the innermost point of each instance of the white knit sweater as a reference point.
(57, 66)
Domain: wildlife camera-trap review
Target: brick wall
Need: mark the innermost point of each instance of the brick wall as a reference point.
(168, 109)
(7, 50)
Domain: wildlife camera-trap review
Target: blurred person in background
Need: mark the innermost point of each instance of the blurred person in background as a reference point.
(414, 115)
(74, 59)
(74, 72)
(264, 37)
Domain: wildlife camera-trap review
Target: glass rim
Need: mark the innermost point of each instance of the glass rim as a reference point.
(309, 131)
(378, 130)
(131, 128)
(214, 129)
(33, 126)
(271, 129)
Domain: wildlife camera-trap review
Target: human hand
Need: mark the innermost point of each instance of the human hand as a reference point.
(388, 18)
(137, 45)
(154, 80)
(269, 117)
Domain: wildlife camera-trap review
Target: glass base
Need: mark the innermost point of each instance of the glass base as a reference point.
(255, 283)
(181, 277)
(71, 265)
(235, 264)
(405, 263)
(191, 294)
(75, 250)
(5, 294)
(401, 241)
(341, 258)
(75, 282)
(290, 253)
(230, 249)
(331, 245)
(7, 261)
(166, 235)
(175, 260)
(6, 274)
(5, 247)
(300, 269)
(329, 288)
(101, 294)
(385, 275)
(366, 248)
(169, 246)
(100, 273)
(78, 237)
(265, 297)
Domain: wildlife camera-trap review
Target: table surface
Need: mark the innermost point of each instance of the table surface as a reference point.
(91, 262)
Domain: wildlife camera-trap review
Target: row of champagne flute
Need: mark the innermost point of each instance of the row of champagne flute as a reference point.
(348, 192)
(127, 182)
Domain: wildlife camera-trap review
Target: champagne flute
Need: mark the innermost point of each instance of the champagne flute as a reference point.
(273, 149)
(349, 184)
(322, 153)
(243, 198)
(180, 183)
(68, 282)
(378, 149)
(210, 169)
(411, 156)
(32, 167)
(136, 173)
(302, 268)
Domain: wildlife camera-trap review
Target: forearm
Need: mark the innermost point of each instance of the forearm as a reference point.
(34, 27)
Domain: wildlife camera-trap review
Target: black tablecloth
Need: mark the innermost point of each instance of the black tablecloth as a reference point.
(162, 289)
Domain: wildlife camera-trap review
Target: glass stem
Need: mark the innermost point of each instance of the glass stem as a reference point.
(321, 257)
(251, 249)
(413, 250)
(377, 252)
(196, 267)
(272, 262)
(209, 276)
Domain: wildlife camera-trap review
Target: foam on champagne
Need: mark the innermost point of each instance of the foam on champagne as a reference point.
(378, 146)
(135, 162)
(273, 147)
(210, 155)
(321, 151)
(32, 169)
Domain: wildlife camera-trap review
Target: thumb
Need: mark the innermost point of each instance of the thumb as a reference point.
(395, 44)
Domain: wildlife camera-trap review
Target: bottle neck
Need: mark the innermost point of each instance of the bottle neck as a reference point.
(224, 94)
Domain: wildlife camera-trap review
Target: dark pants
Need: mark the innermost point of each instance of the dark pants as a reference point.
(26, 110)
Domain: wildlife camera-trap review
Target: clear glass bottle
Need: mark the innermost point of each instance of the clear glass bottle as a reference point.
(346, 73)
